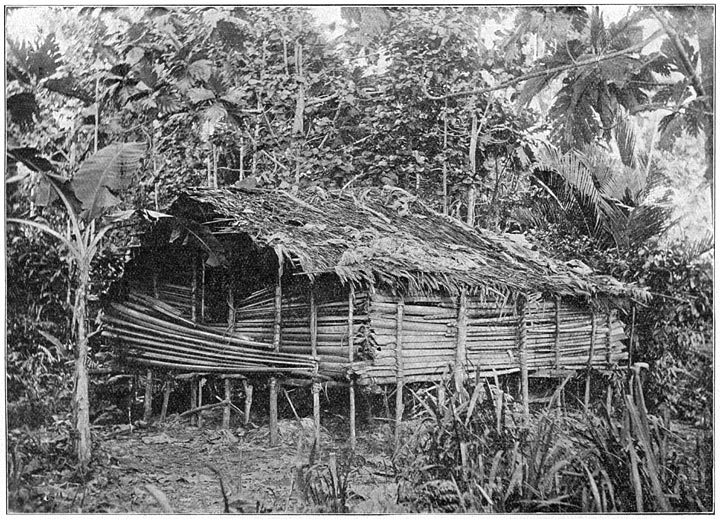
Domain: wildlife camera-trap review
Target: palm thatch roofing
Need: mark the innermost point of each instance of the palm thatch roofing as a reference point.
(387, 237)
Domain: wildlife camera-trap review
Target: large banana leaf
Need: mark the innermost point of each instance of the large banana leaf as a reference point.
(105, 174)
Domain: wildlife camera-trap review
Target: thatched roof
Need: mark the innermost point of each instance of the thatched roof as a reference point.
(388, 237)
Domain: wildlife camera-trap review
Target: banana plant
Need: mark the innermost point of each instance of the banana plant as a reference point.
(86, 198)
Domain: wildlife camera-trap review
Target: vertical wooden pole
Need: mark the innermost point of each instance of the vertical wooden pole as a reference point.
(351, 355)
(248, 389)
(200, 384)
(399, 370)
(386, 403)
(166, 400)
(461, 344)
(202, 294)
(276, 347)
(313, 322)
(193, 399)
(242, 159)
(313, 349)
(557, 332)
(590, 359)
(147, 415)
(277, 325)
(316, 412)
(445, 145)
(226, 409)
(273, 412)
(228, 381)
(194, 289)
(472, 153)
(522, 356)
(231, 307)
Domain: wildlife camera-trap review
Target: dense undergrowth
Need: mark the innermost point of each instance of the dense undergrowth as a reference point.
(478, 455)
(471, 452)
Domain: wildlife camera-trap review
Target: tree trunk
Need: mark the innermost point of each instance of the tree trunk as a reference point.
(445, 159)
(82, 399)
(472, 189)
(298, 122)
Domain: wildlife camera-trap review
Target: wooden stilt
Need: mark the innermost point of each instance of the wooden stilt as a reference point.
(441, 395)
(316, 387)
(132, 397)
(399, 371)
(200, 384)
(313, 322)
(194, 290)
(590, 359)
(248, 389)
(277, 327)
(226, 410)
(231, 307)
(202, 292)
(353, 438)
(273, 412)
(147, 415)
(193, 399)
(228, 381)
(167, 387)
(522, 357)
(193, 317)
(316, 413)
(386, 403)
(557, 332)
(351, 349)
(558, 304)
(461, 346)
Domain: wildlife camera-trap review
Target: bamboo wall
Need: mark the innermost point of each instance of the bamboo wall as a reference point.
(558, 338)
(556, 335)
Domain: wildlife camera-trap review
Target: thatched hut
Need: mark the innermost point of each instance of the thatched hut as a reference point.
(362, 288)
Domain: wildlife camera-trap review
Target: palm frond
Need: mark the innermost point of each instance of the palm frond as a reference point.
(701, 246)
(647, 222)
(626, 138)
(575, 171)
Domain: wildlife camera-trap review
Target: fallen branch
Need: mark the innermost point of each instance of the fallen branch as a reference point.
(204, 408)
(232, 406)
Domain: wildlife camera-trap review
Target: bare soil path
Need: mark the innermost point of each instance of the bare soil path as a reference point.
(178, 459)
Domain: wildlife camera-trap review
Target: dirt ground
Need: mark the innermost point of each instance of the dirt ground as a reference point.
(183, 465)
(176, 458)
